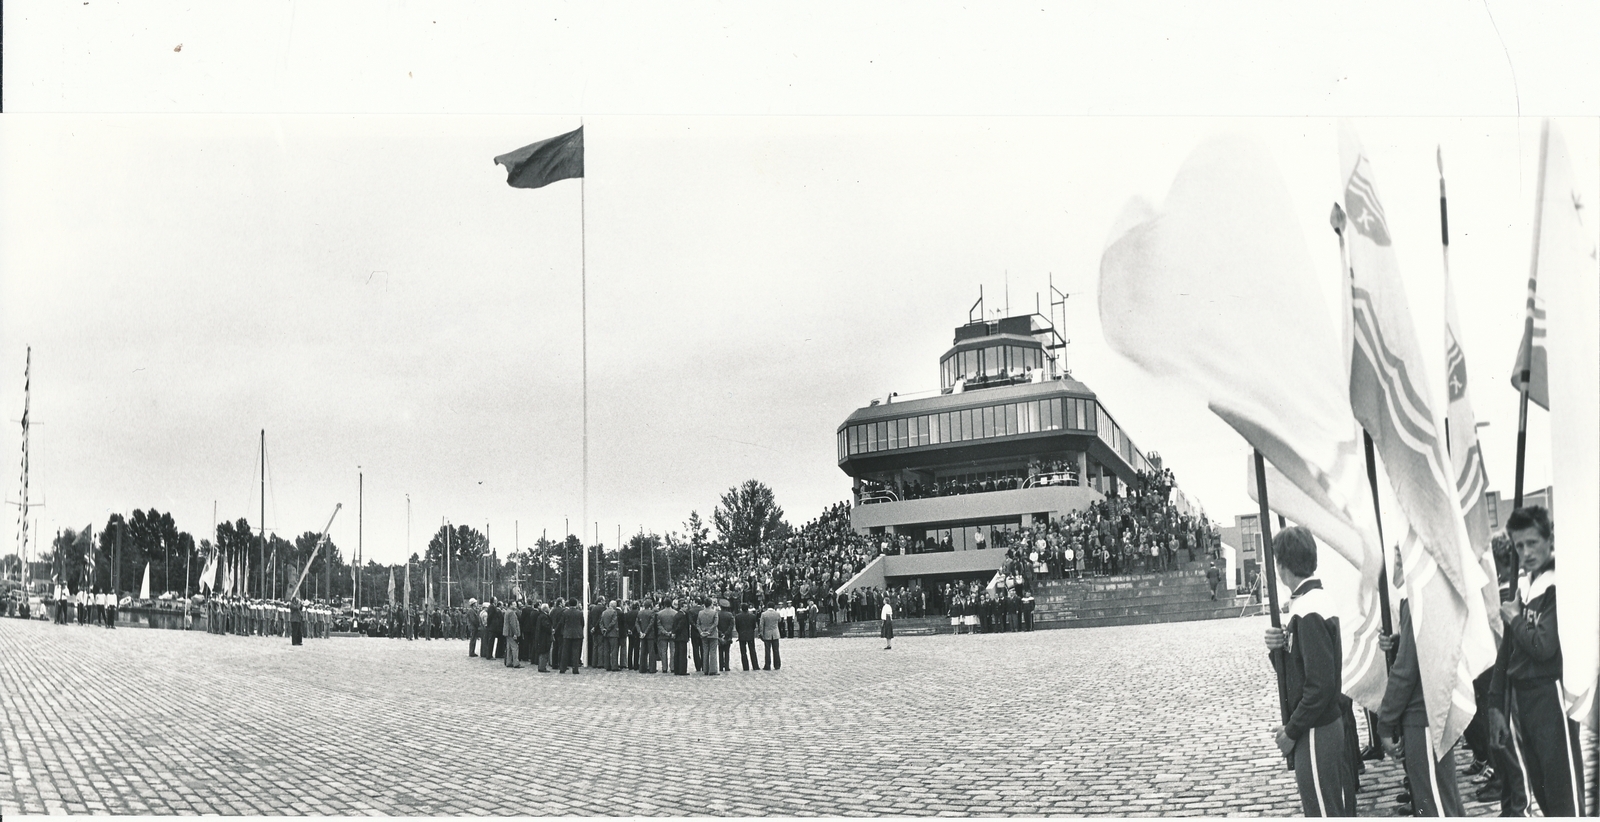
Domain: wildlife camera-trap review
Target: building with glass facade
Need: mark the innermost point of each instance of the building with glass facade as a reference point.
(1008, 439)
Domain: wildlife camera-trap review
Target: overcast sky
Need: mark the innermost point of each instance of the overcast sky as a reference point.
(368, 290)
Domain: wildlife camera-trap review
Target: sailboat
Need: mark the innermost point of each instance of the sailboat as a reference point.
(144, 586)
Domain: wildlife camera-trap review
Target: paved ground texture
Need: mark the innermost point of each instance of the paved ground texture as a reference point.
(1142, 720)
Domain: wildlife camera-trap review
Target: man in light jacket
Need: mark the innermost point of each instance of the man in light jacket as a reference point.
(706, 623)
(769, 636)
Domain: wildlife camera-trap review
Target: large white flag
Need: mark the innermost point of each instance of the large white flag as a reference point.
(1466, 458)
(1569, 277)
(1217, 293)
(1396, 403)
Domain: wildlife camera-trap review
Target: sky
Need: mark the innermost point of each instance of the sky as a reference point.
(360, 283)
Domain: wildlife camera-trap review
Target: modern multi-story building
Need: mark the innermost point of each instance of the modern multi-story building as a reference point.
(1008, 440)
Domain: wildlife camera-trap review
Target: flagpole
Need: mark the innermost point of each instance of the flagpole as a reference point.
(1277, 655)
(583, 276)
(1527, 327)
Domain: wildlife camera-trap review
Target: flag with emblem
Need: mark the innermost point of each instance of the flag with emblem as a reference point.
(1567, 269)
(1216, 292)
(1461, 431)
(1395, 402)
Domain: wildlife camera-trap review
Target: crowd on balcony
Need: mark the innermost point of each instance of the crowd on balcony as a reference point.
(1046, 472)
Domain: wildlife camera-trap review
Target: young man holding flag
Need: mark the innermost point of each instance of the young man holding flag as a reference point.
(1314, 735)
(1528, 674)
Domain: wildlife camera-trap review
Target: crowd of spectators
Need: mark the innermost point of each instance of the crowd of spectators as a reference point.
(1046, 472)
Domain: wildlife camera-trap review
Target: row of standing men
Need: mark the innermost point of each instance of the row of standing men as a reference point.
(632, 635)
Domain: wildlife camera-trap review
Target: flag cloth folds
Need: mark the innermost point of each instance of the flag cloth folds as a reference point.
(408, 586)
(1217, 293)
(1569, 275)
(1538, 367)
(1393, 400)
(208, 573)
(1349, 533)
(1461, 437)
(544, 162)
(391, 586)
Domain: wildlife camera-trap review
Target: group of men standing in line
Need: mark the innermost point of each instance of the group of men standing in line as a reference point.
(1532, 742)
(631, 635)
(978, 613)
(88, 608)
(276, 618)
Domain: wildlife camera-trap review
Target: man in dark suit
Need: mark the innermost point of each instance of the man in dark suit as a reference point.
(610, 624)
(725, 629)
(645, 629)
(680, 645)
(558, 639)
(541, 636)
(572, 632)
(745, 624)
(692, 611)
(596, 652)
(494, 625)
(527, 615)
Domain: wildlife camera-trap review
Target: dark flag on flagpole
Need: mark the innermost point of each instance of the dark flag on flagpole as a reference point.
(544, 162)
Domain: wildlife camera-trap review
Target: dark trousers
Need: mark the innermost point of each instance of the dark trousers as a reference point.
(774, 661)
(722, 654)
(1548, 743)
(680, 657)
(111, 616)
(544, 659)
(472, 644)
(573, 657)
(295, 634)
(747, 654)
(1433, 779)
(645, 655)
(609, 651)
(1322, 770)
(699, 651)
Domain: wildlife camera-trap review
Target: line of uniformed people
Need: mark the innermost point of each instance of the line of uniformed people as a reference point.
(267, 617)
(978, 612)
(632, 635)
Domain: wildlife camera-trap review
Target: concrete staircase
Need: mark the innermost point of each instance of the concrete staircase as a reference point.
(1138, 599)
(910, 626)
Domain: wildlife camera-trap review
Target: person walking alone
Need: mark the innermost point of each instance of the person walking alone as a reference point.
(887, 631)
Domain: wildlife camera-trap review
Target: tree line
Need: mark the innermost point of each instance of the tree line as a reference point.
(114, 558)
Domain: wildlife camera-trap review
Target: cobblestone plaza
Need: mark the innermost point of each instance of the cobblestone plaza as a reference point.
(1167, 720)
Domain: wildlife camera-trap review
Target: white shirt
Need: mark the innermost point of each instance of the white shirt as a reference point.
(888, 611)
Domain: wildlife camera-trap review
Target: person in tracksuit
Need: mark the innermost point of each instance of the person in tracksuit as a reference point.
(1314, 736)
(1403, 717)
(1527, 684)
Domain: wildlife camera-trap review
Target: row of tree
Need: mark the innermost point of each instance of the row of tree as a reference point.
(459, 558)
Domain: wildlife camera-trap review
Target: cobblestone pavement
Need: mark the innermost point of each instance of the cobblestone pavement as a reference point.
(1146, 720)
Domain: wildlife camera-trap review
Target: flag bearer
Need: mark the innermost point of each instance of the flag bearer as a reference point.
(1314, 736)
(1404, 717)
(1527, 675)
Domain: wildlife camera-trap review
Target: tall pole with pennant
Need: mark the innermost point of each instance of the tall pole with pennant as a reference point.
(535, 166)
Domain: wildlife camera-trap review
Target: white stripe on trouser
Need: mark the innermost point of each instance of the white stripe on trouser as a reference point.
(1574, 779)
(1433, 776)
(1316, 778)
(1516, 746)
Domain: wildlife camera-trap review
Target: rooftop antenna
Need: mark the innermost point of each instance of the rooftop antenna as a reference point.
(1058, 299)
(1008, 291)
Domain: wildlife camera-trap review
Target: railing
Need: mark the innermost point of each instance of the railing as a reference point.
(1052, 478)
(881, 495)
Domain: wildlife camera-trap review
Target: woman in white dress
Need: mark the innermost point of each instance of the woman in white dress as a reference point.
(887, 615)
